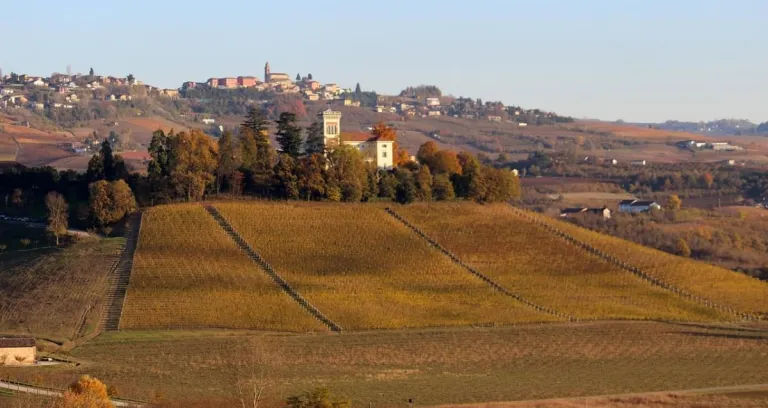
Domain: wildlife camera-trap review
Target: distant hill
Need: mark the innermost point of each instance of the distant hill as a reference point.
(721, 127)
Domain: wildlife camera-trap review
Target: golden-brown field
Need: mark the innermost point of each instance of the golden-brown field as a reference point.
(722, 286)
(365, 270)
(188, 273)
(527, 259)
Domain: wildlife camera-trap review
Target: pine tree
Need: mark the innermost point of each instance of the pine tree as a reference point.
(257, 153)
(256, 121)
(358, 90)
(109, 160)
(424, 183)
(442, 188)
(286, 183)
(387, 185)
(309, 76)
(159, 168)
(315, 142)
(298, 77)
(90, 73)
(227, 161)
(406, 187)
(247, 149)
(311, 176)
(264, 162)
(289, 134)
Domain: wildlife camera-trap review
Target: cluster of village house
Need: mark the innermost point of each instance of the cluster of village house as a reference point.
(625, 206)
(69, 90)
(277, 82)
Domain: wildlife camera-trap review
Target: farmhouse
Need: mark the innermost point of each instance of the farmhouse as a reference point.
(576, 211)
(17, 351)
(638, 206)
(637, 163)
(376, 151)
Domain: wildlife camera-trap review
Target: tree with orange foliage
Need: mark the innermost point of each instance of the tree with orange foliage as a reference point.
(426, 151)
(86, 392)
(384, 132)
(445, 161)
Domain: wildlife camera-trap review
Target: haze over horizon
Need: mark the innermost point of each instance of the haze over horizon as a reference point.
(638, 61)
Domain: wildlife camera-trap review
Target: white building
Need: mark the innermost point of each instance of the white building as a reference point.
(17, 351)
(379, 152)
(433, 102)
(638, 206)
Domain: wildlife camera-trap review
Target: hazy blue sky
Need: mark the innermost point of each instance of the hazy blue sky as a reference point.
(635, 60)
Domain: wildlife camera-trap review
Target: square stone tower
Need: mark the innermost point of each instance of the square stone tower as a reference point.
(331, 128)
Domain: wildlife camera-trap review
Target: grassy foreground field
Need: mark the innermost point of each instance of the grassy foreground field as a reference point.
(187, 273)
(432, 366)
(725, 287)
(531, 261)
(365, 270)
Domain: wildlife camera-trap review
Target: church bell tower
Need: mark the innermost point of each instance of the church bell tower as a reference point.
(266, 72)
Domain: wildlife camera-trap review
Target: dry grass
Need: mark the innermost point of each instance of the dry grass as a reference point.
(188, 273)
(526, 259)
(51, 293)
(435, 366)
(720, 285)
(365, 270)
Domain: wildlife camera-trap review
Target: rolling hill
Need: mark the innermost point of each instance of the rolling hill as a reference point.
(364, 269)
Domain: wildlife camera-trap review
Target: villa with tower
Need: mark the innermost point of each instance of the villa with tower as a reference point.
(376, 151)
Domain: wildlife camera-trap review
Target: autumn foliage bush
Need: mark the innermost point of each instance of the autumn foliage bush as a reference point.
(86, 392)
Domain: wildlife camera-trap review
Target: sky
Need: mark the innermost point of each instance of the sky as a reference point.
(635, 60)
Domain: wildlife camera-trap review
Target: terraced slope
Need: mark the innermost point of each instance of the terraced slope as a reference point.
(719, 285)
(366, 270)
(187, 273)
(545, 269)
(56, 294)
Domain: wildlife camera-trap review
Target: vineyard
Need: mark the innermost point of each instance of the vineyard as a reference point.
(187, 273)
(365, 270)
(719, 285)
(520, 255)
(283, 265)
(58, 294)
(433, 366)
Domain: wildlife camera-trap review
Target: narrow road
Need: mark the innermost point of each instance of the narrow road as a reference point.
(725, 390)
(29, 389)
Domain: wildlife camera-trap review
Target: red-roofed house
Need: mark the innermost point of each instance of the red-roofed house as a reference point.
(379, 152)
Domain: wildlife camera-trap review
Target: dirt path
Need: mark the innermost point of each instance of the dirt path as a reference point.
(606, 400)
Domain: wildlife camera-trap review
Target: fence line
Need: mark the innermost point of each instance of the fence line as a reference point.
(120, 276)
(282, 283)
(477, 273)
